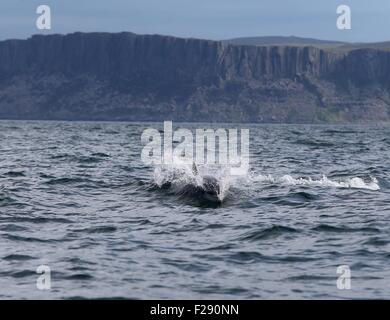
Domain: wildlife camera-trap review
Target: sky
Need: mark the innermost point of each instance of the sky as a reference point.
(209, 19)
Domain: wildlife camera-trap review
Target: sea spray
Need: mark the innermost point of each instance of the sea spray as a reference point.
(180, 175)
(353, 182)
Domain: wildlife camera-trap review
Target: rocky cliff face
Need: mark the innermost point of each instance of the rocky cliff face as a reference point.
(125, 76)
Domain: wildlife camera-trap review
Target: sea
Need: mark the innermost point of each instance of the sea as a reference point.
(83, 217)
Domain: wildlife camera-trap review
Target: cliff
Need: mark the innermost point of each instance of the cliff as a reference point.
(124, 76)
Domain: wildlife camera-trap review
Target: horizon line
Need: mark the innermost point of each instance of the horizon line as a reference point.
(196, 38)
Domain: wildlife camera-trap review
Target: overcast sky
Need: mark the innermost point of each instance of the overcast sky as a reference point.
(212, 19)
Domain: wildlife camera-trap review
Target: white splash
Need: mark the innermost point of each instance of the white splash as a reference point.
(354, 182)
(181, 174)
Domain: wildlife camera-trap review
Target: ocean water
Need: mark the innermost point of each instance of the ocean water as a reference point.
(75, 196)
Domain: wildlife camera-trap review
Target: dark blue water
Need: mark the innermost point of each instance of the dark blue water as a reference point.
(76, 197)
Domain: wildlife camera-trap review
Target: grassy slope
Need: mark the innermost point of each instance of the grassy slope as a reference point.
(304, 42)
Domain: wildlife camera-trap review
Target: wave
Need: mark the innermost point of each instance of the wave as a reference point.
(343, 229)
(17, 257)
(353, 182)
(5, 197)
(14, 174)
(267, 233)
(92, 158)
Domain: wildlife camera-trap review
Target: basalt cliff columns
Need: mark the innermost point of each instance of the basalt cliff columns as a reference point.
(125, 76)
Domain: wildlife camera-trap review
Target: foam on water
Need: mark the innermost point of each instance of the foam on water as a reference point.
(353, 182)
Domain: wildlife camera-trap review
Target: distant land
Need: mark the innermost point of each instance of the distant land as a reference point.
(284, 41)
(130, 77)
(305, 42)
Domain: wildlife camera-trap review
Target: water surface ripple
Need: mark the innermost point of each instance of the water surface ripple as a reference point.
(76, 197)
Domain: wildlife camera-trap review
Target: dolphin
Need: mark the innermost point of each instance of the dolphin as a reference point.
(210, 188)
